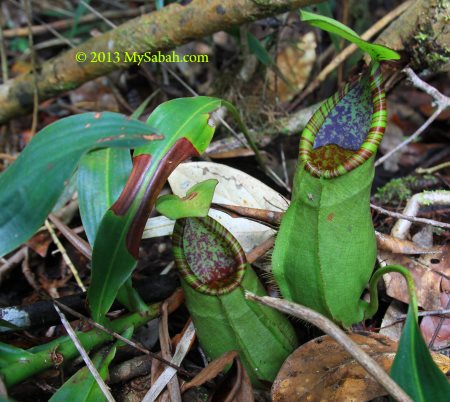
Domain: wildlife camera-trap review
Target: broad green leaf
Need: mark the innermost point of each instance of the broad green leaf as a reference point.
(376, 52)
(102, 175)
(414, 369)
(82, 387)
(187, 128)
(196, 203)
(32, 184)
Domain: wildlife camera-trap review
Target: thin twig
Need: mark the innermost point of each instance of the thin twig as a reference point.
(98, 14)
(104, 388)
(67, 23)
(410, 218)
(66, 258)
(133, 344)
(442, 102)
(3, 56)
(433, 169)
(164, 340)
(331, 329)
(80, 244)
(442, 312)
(180, 352)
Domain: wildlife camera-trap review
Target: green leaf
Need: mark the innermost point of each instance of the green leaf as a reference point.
(196, 203)
(376, 52)
(32, 184)
(102, 175)
(414, 369)
(82, 387)
(141, 108)
(80, 10)
(187, 128)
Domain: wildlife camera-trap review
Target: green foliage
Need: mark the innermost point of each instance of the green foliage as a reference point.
(414, 369)
(9, 354)
(30, 187)
(328, 267)
(376, 52)
(187, 130)
(102, 175)
(196, 203)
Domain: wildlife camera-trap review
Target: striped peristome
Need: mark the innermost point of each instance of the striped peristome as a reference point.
(215, 275)
(370, 139)
(207, 256)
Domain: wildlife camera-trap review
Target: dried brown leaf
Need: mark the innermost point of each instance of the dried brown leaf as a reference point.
(321, 370)
(428, 272)
(429, 324)
(211, 371)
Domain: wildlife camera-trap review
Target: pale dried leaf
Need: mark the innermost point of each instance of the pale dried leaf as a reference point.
(295, 62)
(235, 188)
(391, 326)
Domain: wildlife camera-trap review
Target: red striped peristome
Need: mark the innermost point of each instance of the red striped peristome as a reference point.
(371, 141)
(218, 287)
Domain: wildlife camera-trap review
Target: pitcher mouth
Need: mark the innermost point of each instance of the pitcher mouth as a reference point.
(212, 269)
(339, 137)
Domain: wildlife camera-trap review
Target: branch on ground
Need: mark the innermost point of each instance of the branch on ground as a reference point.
(162, 30)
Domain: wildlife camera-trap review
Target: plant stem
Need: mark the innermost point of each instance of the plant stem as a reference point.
(374, 290)
(62, 349)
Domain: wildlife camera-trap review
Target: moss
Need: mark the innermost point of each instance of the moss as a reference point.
(399, 190)
(429, 47)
